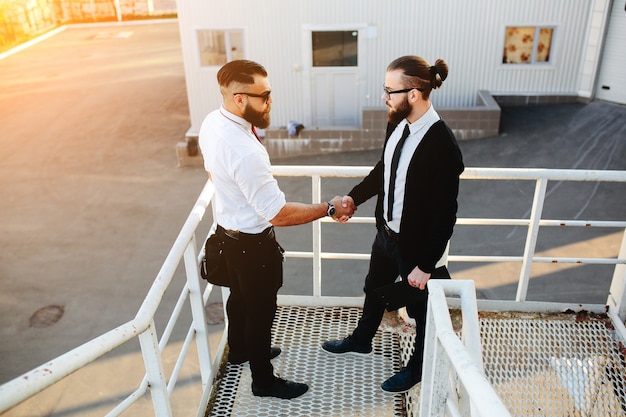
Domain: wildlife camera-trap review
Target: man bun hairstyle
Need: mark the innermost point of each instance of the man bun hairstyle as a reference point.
(240, 71)
(417, 73)
(439, 73)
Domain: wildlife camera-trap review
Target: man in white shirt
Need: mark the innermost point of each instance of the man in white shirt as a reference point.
(248, 205)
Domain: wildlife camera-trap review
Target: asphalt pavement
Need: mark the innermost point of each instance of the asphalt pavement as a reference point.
(92, 197)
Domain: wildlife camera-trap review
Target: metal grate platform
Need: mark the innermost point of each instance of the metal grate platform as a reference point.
(565, 365)
(339, 385)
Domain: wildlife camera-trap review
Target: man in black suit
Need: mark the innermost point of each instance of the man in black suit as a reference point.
(416, 182)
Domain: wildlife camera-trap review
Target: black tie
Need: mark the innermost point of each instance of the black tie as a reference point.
(394, 167)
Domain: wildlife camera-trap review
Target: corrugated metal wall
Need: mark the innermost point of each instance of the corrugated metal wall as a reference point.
(468, 35)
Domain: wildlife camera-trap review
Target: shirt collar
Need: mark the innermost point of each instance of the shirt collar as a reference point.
(233, 118)
(427, 119)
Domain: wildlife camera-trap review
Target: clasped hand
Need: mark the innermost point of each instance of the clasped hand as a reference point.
(344, 208)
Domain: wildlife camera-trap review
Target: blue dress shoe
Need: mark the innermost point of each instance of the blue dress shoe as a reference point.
(346, 345)
(402, 381)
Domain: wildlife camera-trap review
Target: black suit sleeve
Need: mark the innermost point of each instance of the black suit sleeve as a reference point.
(371, 185)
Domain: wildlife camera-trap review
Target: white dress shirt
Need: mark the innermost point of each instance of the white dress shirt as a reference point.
(247, 195)
(418, 129)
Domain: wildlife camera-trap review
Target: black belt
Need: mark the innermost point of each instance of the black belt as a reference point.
(391, 233)
(237, 235)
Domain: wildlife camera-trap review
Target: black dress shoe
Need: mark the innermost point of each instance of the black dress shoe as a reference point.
(402, 381)
(236, 359)
(346, 346)
(281, 389)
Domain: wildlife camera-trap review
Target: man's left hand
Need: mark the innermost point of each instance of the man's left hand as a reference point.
(418, 278)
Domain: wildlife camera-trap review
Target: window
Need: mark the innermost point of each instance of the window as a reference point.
(335, 49)
(527, 44)
(218, 47)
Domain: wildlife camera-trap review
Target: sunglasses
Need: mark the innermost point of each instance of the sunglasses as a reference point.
(264, 96)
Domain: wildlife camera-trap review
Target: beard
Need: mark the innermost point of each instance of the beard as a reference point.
(395, 116)
(260, 119)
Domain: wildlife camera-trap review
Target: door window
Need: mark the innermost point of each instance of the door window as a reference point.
(335, 48)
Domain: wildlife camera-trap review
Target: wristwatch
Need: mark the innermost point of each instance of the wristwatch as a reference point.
(331, 209)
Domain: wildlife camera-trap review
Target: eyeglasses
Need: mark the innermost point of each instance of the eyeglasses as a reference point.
(264, 96)
(389, 93)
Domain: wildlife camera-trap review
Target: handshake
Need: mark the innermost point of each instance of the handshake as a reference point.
(344, 208)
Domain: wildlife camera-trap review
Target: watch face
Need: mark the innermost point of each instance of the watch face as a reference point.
(331, 209)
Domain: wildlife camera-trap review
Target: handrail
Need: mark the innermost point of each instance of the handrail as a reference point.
(184, 250)
(445, 354)
(470, 173)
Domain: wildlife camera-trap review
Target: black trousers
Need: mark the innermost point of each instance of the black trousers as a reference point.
(255, 266)
(383, 270)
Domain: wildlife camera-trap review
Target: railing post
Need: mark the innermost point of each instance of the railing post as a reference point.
(531, 238)
(150, 7)
(197, 311)
(316, 197)
(154, 369)
(617, 292)
(432, 370)
(453, 374)
(118, 10)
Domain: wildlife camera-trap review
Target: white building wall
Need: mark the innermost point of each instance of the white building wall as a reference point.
(468, 35)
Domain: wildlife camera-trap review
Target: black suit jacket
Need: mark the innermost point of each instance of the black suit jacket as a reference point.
(430, 199)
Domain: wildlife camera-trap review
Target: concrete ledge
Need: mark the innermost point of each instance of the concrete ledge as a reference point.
(320, 141)
(532, 100)
(481, 121)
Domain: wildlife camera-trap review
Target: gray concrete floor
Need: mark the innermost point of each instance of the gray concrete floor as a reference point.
(92, 198)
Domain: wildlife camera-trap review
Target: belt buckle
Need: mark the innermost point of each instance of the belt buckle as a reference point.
(233, 234)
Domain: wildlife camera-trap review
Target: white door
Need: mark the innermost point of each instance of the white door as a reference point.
(335, 97)
(335, 78)
(612, 74)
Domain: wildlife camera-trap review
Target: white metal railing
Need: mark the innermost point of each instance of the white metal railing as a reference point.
(185, 251)
(453, 379)
(541, 177)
